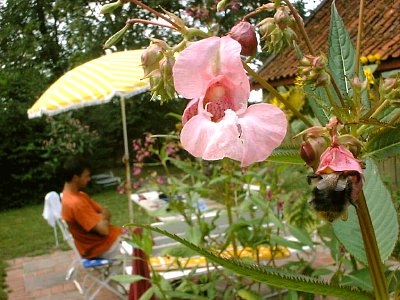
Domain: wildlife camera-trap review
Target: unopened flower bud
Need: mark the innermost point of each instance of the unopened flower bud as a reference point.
(305, 61)
(266, 26)
(152, 55)
(245, 34)
(268, 6)
(282, 18)
(116, 37)
(311, 150)
(110, 7)
(323, 79)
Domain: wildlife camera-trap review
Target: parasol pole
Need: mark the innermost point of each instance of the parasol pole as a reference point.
(126, 160)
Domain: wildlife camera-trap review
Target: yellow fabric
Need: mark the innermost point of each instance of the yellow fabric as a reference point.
(95, 82)
(163, 263)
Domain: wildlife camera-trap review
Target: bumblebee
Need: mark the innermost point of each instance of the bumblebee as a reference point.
(333, 193)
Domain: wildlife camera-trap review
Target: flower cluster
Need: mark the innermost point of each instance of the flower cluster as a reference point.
(157, 63)
(277, 32)
(217, 122)
(312, 70)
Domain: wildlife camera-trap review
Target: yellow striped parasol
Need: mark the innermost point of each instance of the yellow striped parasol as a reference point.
(94, 82)
(97, 82)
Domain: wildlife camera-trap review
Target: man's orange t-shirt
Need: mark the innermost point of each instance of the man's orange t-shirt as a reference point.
(82, 214)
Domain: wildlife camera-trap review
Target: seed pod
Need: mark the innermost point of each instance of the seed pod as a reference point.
(245, 34)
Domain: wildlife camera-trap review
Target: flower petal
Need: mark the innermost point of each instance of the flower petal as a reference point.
(249, 137)
(338, 159)
(190, 110)
(203, 138)
(204, 60)
(263, 129)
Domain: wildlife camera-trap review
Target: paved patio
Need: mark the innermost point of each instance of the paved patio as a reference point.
(43, 278)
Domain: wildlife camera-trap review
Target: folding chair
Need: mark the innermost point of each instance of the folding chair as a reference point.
(96, 272)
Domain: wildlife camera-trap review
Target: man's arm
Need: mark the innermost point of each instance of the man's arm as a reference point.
(102, 227)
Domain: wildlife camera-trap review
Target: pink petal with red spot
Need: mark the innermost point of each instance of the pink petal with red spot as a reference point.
(204, 60)
(190, 110)
(338, 159)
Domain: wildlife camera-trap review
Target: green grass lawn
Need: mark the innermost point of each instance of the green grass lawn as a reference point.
(24, 232)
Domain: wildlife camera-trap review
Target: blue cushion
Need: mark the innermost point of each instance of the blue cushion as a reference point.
(96, 262)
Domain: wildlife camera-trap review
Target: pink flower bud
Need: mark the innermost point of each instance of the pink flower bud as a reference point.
(282, 18)
(311, 150)
(245, 34)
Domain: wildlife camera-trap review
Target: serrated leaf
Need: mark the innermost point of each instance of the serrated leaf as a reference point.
(341, 54)
(383, 216)
(317, 100)
(269, 275)
(286, 154)
(384, 144)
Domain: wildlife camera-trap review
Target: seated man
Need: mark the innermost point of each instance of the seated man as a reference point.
(88, 221)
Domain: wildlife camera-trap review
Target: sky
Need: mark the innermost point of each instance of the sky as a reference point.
(310, 4)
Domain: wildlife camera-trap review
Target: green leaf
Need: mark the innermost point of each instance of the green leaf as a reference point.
(297, 212)
(183, 295)
(317, 100)
(341, 54)
(383, 216)
(287, 243)
(384, 144)
(360, 278)
(128, 278)
(269, 275)
(248, 295)
(302, 235)
(178, 251)
(286, 154)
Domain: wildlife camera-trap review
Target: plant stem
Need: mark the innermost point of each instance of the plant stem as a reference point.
(142, 5)
(132, 21)
(359, 38)
(274, 92)
(300, 25)
(371, 249)
(228, 204)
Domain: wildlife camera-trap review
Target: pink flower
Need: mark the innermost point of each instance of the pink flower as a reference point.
(217, 122)
(136, 171)
(337, 158)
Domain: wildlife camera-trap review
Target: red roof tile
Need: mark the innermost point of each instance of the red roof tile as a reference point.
(381, 35)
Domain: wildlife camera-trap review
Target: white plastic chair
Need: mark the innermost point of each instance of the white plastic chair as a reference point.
(96, 272)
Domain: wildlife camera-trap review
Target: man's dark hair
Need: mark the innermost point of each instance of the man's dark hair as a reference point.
(74, 166)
